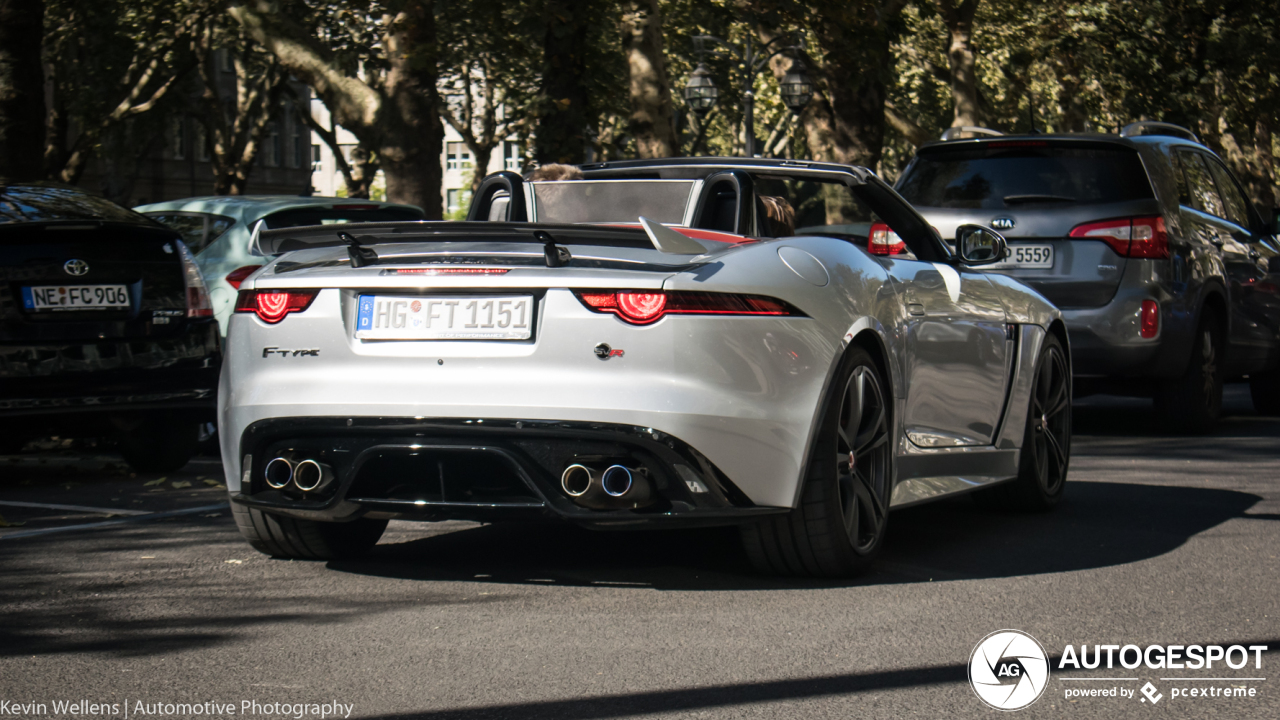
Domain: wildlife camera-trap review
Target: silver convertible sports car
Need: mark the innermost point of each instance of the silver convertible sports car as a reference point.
(657, 344)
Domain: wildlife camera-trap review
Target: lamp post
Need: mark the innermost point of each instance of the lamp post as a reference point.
(796, 89)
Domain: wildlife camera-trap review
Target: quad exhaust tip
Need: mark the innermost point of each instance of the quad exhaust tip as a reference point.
(306, 475)
(617, 486)
(310, 476)
(279, 473)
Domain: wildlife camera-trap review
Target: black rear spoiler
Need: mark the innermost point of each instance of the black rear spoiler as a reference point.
(359, 238)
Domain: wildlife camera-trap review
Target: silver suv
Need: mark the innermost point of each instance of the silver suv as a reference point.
(1165, 274)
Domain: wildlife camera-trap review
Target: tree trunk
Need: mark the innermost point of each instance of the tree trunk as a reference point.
(651, 119)
(397, 116)
(564, 112)
(22, 106)
(960, 54)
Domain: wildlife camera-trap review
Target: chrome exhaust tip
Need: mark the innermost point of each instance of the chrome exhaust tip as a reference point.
(616, 481)
(625, 485)
(577, 480)
(278, 473)
(310, 476)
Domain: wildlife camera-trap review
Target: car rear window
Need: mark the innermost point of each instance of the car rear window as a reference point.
(34, 203)
(996, 176)
(198, 229)
(301, 217)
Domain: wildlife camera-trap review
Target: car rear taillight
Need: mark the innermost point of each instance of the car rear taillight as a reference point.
(198, 304)
(1138, 237)
(1149, 326)
(272, 305)
(237, 276)
(883, 241)
(641, 308)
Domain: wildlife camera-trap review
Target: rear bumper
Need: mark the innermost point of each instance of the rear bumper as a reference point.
(1106, 343)
(482, 469)
(52, 381)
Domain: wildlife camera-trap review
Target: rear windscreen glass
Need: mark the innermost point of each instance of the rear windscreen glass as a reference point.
(34, 203)
(992, 177)
(599, 201)
(302, 217)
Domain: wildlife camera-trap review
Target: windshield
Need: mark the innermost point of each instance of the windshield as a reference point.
(598, 201)
(35, 203)
(997, 176)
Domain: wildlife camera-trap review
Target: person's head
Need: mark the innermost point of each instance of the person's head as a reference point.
(555, 171)
(778, 218)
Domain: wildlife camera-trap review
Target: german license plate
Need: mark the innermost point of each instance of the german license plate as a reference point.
(445, 317)
(75, 297)
(1027, 256)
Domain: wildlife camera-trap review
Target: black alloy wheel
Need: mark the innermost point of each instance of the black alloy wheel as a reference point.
(1192, 403)
(862, 460)
(1046, 441)
(839, 525)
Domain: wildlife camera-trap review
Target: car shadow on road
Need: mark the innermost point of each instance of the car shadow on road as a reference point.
(1099, 524)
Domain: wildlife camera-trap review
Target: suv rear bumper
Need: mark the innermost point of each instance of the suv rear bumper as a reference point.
(1105, 341)
(53, 382)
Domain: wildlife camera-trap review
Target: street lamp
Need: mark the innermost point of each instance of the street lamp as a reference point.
(701, 93)
(796, 89)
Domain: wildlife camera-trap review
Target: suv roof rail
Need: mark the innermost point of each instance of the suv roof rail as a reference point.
(1148, 127)
(951, 132)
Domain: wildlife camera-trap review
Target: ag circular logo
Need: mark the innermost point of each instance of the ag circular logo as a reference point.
(1009, 670)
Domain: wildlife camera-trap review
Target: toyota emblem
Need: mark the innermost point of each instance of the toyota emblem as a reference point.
(1003, 223)
(76, 267)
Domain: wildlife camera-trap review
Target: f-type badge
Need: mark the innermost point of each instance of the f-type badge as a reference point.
(282, 352)
(604, 352)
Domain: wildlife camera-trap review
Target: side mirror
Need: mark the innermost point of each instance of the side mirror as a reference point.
(977, 245)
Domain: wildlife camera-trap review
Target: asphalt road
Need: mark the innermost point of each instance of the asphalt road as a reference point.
(1160, 540)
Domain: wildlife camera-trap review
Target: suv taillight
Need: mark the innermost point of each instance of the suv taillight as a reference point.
(641, 307)
(883, 241)
(198, 304)
(1138, 237)
(272, 305)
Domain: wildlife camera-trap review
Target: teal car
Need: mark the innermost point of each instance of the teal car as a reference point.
(218, 228)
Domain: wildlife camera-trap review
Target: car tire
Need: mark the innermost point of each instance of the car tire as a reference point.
(839, 526)
(1046, 441)
(1192, 403)
(159, 445)
(1264, 388)
(287, 537)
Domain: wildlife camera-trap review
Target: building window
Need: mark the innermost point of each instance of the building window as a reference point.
(511, 156)
(275, 148)
(316, 161)
(178, 138)
(299, 142)
(457, 199)
(458, 156)
(202, 143)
